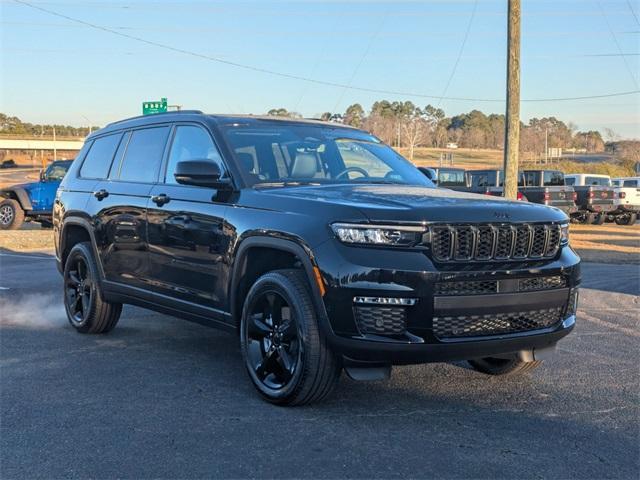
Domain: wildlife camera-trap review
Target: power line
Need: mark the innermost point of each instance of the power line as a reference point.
(464, 42)
(615, 40)
(301, 78)
(633, 12)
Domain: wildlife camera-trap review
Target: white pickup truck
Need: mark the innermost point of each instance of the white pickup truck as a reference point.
(627, 199)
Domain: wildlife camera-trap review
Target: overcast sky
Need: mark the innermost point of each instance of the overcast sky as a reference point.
(55, 69)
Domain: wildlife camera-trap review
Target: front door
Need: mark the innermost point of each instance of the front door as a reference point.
(187, 235)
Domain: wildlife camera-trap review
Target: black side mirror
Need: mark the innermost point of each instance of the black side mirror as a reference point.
(201, 173)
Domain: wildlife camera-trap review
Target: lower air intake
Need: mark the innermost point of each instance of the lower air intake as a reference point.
(495, 324)
(380, 320)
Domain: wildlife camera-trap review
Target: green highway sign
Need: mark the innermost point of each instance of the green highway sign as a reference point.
(154, 106)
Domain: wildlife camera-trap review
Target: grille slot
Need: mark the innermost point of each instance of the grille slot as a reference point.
(381, 320)
(460, 243)
(466, 288)
(542, 283)
(495, 324)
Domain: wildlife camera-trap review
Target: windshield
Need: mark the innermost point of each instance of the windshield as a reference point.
(302, 154)
(57, 171)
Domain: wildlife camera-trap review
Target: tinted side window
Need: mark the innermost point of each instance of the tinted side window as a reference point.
(191, 143)
(98, 160)
(570, 181)
(142, 159)
(630, 183)
(599, 181)
(553, 179)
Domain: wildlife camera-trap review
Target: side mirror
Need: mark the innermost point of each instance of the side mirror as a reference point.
(201, 173)
(430, 174)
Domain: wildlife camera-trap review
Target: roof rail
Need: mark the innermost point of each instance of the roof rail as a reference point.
(172, 112)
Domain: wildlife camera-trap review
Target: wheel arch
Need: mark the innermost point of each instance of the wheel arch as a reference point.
(293, 254)
(75, 230)
(20, 195)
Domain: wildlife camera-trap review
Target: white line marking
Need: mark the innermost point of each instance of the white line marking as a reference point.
(38, 257)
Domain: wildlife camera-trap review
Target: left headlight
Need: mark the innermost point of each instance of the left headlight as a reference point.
(390, 235)
(564, 234)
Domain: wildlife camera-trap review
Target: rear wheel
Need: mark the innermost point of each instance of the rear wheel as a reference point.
(11, 215)
(286, 355)
(503, 366)
(599, 219)
(86, 311)
(627, 219)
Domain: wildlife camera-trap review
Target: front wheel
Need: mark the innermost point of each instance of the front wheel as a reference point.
(86, 310)
(286, 355)
(503, 366)
(11, 215)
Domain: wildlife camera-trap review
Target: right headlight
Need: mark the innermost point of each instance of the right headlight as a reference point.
(564, 234)
(389, 235)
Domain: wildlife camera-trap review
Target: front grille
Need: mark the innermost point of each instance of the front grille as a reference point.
(460, 243)
(487, 287)
(381, 320)
(495, 324)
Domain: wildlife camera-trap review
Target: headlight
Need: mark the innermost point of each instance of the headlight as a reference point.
(564, 234)
(397, 236)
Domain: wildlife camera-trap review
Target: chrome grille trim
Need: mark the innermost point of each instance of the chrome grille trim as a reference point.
(487, 242)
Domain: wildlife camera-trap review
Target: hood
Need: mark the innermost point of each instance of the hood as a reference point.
(24, 186)
(402, 203)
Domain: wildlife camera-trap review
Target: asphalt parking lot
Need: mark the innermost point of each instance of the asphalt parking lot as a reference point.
(163, 398)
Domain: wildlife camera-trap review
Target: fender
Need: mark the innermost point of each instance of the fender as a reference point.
(84, 223)
(22, 196)
(303, 253)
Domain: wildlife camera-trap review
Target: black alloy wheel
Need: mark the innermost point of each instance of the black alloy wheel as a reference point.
(285, 352)
(78, 291)
(273, 346)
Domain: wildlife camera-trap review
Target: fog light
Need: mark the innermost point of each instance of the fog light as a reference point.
(385, 301)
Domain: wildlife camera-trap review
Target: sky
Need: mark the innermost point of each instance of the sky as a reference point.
(451, 54)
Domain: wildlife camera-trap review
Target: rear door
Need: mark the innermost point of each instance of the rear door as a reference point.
(188, 238)
(120, 205)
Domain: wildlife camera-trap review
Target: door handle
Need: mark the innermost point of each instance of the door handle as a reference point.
(100, 194)
(161, 199)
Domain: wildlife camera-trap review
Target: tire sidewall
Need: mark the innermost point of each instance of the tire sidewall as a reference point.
(10, 204)
(281, 285)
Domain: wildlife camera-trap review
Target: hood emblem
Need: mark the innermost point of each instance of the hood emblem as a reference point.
(501, 215)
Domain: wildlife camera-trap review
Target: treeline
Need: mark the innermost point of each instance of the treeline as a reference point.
(15, 126)
(406, 125)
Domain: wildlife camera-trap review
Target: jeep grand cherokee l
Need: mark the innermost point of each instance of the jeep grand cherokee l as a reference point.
(315, 243)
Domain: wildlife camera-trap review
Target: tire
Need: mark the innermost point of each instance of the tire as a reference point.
(11, 215)
(87, 312)
(599, 219)
(627, 219)
(503, 366)
(286, 356)
(46, 224)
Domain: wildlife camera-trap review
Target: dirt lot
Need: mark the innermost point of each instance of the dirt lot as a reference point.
(608, 243)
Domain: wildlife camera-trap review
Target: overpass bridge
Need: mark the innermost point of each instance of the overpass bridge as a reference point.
(39, 144)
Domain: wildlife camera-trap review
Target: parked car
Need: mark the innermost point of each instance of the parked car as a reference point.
(627, 200)
(446, 177)
(595, 197)
(320, 247)
(32, 201)
(548, 188)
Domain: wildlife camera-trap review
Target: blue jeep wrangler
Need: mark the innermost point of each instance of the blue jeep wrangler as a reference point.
(32, 201)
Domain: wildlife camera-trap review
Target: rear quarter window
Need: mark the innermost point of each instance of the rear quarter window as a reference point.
(98, 161)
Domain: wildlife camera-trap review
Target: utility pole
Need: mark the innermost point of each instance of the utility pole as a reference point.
(55, 150)
(546, 145)
(512, 121)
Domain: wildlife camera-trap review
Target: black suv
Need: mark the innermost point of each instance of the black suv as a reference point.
(315, 243)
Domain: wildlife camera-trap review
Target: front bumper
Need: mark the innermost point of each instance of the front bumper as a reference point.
(425, 335)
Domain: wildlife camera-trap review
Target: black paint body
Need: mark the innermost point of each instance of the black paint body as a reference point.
(194, 256)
